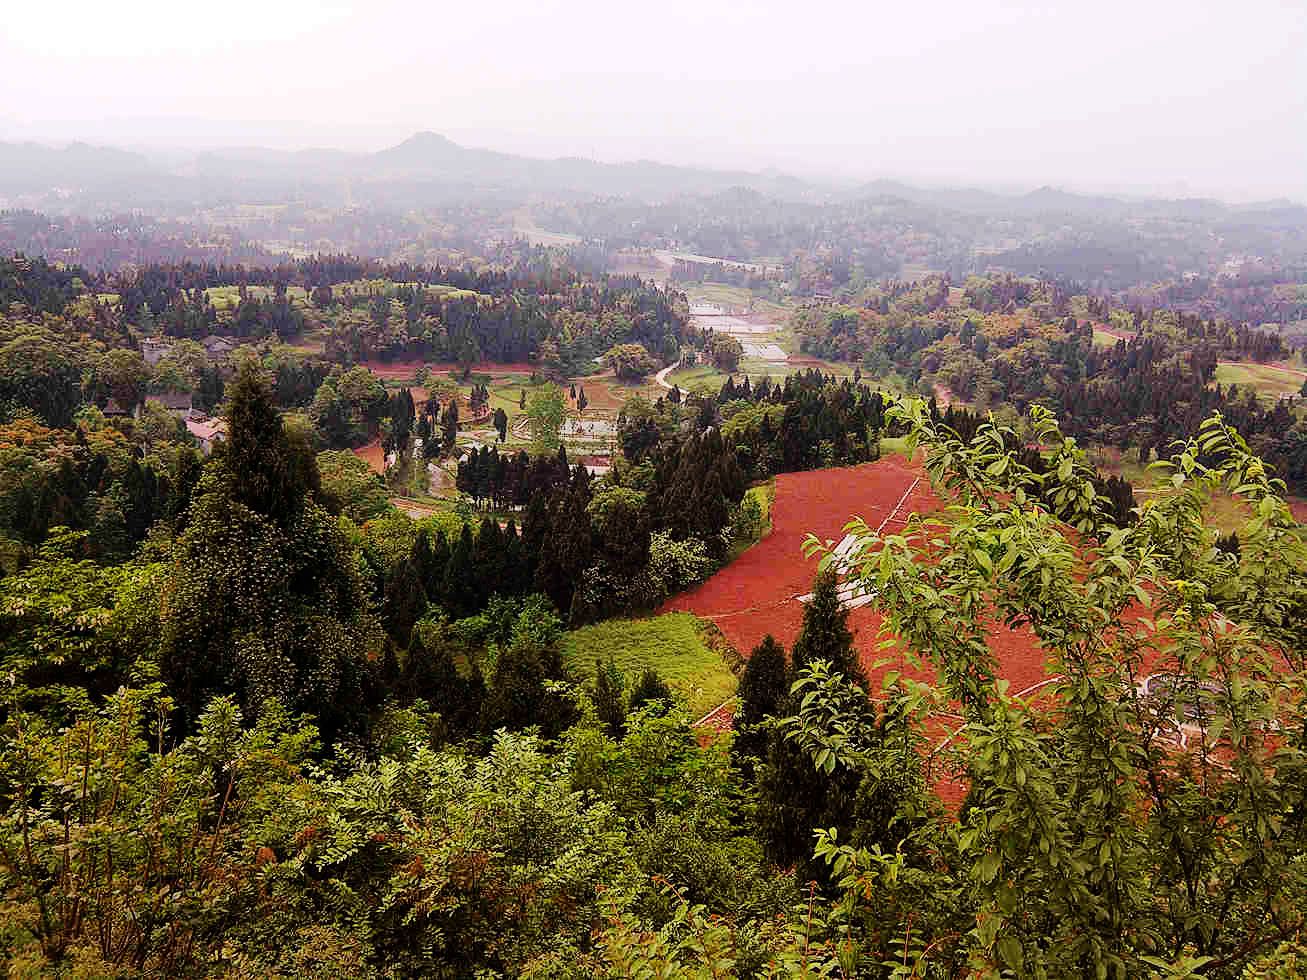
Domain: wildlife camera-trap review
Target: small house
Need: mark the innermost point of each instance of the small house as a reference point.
(207, 431)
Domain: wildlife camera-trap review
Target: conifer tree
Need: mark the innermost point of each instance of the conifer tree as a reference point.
(405, 600)
(431, 675)
(390, 675)
(648, 689)
(516, 572)
(517, 697)
(762, 692)
(434, 575)
(610, 696)
(825, 634)
(268, 474)
(488, 560)
(449, 425)
(458, 589)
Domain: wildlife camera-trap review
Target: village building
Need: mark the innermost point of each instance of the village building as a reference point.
(207, 431)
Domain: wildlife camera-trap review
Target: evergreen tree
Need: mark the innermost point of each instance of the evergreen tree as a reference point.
(648, 689)
(517, 697)
(762, 692)
(431, 675)
(458, 589)
(825, 634)
(796, 797)
(489, 560)
(449, 425)
(433, 577)
(269, 473)
(609, 696)
(405, 600)
(390, 676)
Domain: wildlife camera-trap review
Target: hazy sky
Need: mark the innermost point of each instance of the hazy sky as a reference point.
(1177, 96)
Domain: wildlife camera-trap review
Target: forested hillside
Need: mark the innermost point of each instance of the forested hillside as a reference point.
(257, 719)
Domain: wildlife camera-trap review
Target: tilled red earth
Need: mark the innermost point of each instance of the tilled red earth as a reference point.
(757, 594)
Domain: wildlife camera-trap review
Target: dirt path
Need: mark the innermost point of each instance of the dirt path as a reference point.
(661, 377)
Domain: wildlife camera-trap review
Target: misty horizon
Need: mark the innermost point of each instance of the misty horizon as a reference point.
(361, 139)
(1167, 101)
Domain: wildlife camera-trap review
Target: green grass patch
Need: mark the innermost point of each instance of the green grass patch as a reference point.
(701, 376)
(1102, 339)
(894, 444)
(676, 645)
(1270, 382)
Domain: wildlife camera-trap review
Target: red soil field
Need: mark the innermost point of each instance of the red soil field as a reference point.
(756, 594)
(600, 396)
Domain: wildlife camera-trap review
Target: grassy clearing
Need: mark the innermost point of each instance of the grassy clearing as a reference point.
(1269, 382)
(673, 644)
(1102, 339)
(700, 376)
(889, 445)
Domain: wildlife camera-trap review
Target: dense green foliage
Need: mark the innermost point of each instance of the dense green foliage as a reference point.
(256, 722)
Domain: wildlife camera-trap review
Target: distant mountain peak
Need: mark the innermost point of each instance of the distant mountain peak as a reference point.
(424, 142)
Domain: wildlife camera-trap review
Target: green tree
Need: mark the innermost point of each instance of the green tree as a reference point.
(725, 352)
(518, 695)
(351, 487)
(650, 690)
(763, 693)
(825, 634)
(609, 696)
(269, 471)
(1155, 760)
(40, 372)
(545, 413)
(630, 362)
(405, 601)
(458, 590)
(264, 612)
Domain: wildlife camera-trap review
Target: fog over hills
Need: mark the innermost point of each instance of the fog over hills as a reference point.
(431, 167)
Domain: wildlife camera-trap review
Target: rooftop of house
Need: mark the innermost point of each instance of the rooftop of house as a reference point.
(206, 429)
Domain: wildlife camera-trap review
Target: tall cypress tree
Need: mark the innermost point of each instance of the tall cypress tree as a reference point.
(404, 602)
(648, 689)
(762, 692)
(434, 576)
(459, 586)
(825, 634)
(268, 474)
(430, 674)
(516, 572)
(610, 696)
(488, 561)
